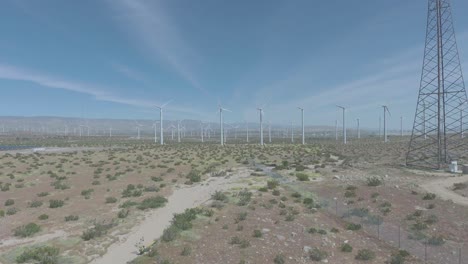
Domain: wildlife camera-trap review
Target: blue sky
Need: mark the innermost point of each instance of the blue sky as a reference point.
(118, 58)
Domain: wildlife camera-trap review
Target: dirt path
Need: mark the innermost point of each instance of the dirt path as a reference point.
(442, 188)
(153, 226)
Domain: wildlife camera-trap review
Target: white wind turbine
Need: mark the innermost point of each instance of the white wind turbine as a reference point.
(260, 110)
(292, 132)
(161, 108)
(247, 130)
(302, 120)
(344, 122)
(221, 124)
(385, 110)
(358, 128)
(178, 131)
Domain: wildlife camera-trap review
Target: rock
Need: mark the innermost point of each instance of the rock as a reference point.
(293, 234)
(397, 187)
(306, 249)
(265, 230)
(336, 177)
(280, 237)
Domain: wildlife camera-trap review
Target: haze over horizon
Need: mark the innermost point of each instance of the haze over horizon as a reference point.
(118, 58)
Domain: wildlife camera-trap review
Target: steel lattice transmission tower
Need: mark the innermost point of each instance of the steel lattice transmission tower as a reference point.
(439, 124)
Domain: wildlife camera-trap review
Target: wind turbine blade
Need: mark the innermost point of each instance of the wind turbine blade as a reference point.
(168, 102)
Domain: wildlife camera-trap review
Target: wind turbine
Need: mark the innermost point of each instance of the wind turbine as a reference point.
(380, 126)
(344, 122)
(178, 131)
(110, 131)
(161, 119)
(302, 120)
(155, 127)
(269, 132)
(292, 132)
(358, 129)
(401, 126)
(201, 131)
(247, 130)
(260, 110)
(385, 110)
(221, 124)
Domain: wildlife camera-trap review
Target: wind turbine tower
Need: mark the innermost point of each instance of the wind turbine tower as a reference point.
(260, 110)
(161, 108)
(302, 120)
(344, 122)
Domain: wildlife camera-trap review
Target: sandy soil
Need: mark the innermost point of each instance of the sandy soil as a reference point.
(442, 188)
(155, 223)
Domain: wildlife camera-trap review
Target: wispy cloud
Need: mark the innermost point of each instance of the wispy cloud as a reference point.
(98, 92)
(159, 37)
(130, 73)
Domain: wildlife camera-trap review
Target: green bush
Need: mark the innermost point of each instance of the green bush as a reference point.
(365, 254)
(429, 196)
(194, 176)
(346, 247)
(152, 202)
(27, 230)
(98, 230)
(374, 181)
(35, 204)
(55, 203)
(317, 254)
(353, 227)
(219, 196)
(111, 200)
(9, 202)
(170, 234)
(257, 233)
(302, 177)
(123, 213)
(40, 255)
(272, 184)
(43, 217)
(279, 259)
(71, 218)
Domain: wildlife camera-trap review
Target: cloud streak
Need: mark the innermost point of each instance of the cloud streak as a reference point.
(155, 31)
(98, 92)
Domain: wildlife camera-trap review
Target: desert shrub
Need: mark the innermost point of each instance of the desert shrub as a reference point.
(35, 204)
(9, 202)
(302, 177)
(123, 213)
(235, 240)
(241, 217)
(263, 189)
(398, 257)
(276, 192)
(43, 217)
(244, 197)
(55, 203)
(2, 213)
(272, 184)
(279, 259)
(435, 241)
(345, 247)
(418, 226)
(244, 243)
(170, 234)
(317, 254)
(308, 201)
(257, 233)
(296, 195)
(98, 230)
(365, 254)
(128, 204)
(12, 211)
(41, 255)
(353, 227)
(42, 194)
(152, 202)
(111, 200)
(359, 212)
(219, 196)
(349, 194)
(27, 230)
(194, 176)
(186, 251)
(374, 181)
(431, 219)
(71, 218)
(429, 196)
(459, 186)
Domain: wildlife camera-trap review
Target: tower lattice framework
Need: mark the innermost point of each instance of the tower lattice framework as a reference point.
(440, 122)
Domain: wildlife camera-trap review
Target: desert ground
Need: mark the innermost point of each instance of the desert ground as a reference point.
(134, 201)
